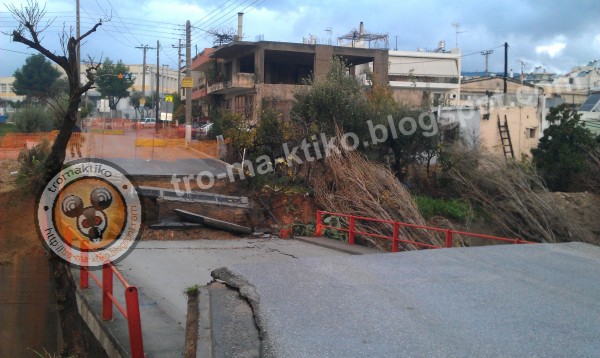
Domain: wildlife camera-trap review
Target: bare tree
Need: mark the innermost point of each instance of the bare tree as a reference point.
(222, 36)
(31, 27)
(29, 33)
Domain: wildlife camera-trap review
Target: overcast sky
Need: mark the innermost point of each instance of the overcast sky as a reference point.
(555, 34)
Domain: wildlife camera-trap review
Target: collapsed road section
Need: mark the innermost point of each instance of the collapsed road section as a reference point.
(433, 303)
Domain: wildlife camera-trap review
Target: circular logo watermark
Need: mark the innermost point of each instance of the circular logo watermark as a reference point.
(90, 213)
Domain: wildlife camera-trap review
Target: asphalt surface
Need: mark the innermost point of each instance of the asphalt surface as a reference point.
(162, 270)
(147, 161)
(497, 301)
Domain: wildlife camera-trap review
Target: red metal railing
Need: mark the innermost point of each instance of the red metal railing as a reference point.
(395, 225)
(131, 311)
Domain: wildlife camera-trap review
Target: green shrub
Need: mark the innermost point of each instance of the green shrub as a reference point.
(32, 171)
(33, 119)
(448, 208)
(6, 128)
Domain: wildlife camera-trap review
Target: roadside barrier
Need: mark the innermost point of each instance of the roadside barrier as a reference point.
(131, 311)
(395, 225)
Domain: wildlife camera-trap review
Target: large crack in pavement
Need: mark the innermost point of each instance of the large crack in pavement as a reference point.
(249, 293)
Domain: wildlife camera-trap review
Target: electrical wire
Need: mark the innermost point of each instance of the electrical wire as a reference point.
(24, 53)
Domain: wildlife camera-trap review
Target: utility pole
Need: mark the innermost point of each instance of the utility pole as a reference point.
(396, 47)
(486, 54)
(179, 67)
(188, 90)
(156, 97)
(164, 78)
(144, 47)
(505, 65)
(78, 25)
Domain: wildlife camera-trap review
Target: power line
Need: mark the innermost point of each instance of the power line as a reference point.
(216, 19)
(111, 6)
(206, 23)
(24, 53)
(243, 10)
(207, 15)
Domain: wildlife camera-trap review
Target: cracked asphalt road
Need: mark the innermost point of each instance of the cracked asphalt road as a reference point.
(163, 269)
(494, 301)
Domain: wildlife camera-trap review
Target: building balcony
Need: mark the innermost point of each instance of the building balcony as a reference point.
(199, 92)
(239, 81)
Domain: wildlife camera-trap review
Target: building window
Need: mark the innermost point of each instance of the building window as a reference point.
(530, 132)
(3, 88)
(437, 99)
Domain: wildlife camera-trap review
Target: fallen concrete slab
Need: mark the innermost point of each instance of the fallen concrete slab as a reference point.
(175, 225)
(194, 196)
(506, 300)
(208, 221)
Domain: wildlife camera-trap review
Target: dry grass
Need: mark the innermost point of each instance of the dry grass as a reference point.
(512, 194)
(354, 185)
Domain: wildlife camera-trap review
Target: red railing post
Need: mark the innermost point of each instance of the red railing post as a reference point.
(134, 322)
(395, 236)
(107, 288)
(83, 272)
(318, 226)
(84, 277)
(351, 231)
(448, 242)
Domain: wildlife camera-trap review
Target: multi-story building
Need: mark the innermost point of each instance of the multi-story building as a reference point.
(6, 90)
(575, 86)
(245, 76)
(426, 78)
(590, 111)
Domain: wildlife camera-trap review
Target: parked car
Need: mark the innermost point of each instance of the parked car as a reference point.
(181, 130)
(147, 123)
(203, 131)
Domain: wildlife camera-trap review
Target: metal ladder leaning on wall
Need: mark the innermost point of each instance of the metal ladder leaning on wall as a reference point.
(507, 147)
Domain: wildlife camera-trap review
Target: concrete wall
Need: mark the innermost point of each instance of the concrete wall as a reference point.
(411, 96)
(323, 57)
(468, 120)
(278, 97)
(520, 121)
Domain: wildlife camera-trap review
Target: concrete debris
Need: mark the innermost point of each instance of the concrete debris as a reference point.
(212, 222)
(174, 225)
(194, 197)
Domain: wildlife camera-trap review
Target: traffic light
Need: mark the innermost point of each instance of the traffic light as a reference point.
(124, 75)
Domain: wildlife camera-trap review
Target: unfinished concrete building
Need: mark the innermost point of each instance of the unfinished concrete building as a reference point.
(245, 76)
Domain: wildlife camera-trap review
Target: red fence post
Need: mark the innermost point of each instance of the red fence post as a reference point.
(134, 322)
(395, 236)
(107, 288)
(448, 242)
(318, 227)
(84, 276)
(351, 231)
(83, 272)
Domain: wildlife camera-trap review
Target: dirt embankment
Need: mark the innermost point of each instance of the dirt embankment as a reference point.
(18, 234)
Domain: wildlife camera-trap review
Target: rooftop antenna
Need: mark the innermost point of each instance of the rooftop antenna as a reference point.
(457, 31)
(329, 30)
